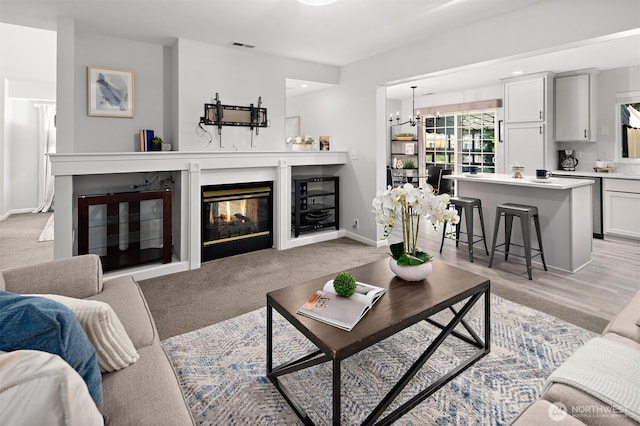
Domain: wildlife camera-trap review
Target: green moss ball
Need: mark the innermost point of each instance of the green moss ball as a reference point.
(344, 284)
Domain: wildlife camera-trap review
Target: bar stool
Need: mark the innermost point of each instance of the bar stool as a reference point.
(467, 204)
(525, 213)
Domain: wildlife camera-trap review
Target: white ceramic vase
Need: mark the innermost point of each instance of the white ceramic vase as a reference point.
(411, 273)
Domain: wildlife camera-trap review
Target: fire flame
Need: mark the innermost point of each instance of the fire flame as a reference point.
(226, 216)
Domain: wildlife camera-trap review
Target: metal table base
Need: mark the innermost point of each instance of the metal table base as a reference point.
(446, 330)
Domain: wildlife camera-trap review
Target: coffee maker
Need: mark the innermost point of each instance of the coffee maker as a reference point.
(567, 160)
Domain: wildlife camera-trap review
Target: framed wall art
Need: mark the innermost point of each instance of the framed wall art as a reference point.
(325, 143)
(110, 92)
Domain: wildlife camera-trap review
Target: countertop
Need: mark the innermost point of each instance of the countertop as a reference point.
(612, 175)
(525, 181)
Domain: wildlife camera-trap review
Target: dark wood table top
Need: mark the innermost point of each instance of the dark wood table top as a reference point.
(404, 304)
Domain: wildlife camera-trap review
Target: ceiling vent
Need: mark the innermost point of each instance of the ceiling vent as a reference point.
(238, 44)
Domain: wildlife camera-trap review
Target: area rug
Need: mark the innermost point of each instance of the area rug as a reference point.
(47, 232)
(221, 369)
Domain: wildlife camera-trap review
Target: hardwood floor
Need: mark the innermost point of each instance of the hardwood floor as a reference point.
(602, 288)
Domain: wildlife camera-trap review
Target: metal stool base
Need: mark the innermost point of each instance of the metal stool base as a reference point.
(525, 213)
(467, 204)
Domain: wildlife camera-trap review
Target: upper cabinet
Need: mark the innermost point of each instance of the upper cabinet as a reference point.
(575, 115)
(525, 100)
(527, 107)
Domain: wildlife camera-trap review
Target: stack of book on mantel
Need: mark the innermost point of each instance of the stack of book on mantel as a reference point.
(146, 141)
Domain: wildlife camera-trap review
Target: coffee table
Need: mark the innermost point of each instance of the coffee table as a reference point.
(404, 304)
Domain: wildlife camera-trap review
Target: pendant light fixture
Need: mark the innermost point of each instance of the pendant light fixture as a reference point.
(413, 120)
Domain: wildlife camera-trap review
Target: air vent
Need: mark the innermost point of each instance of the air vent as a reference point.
(238, 44)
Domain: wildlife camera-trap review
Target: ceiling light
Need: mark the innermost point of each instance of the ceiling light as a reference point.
(317, 2)
(517, 72)
(304, 86)
(413, 120)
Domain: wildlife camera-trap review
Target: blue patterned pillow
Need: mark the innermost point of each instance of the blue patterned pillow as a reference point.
(30, 322)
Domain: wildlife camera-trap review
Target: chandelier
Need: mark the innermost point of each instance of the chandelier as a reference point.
(413, 120)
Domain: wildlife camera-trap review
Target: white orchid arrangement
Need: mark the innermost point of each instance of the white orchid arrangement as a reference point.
(301, 140)
(411, 204)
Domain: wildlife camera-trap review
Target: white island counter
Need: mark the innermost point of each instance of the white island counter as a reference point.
(564, 207)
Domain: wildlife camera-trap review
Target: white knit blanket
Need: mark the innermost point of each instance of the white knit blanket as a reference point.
(606, 370)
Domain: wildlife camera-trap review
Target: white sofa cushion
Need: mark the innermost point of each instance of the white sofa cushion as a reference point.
(105, 331)
(42, 389)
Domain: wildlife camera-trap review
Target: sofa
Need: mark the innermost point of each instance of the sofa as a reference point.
(146, 392)
(568, 396)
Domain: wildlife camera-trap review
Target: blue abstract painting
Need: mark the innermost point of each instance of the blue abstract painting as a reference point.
(110, 92)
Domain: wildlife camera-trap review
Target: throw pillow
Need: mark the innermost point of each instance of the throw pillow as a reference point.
(39, 388)
(105, 330)
(36, 323)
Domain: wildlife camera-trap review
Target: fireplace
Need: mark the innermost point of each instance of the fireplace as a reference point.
(236, 218)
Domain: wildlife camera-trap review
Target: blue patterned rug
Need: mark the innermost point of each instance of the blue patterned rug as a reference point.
(222, 370)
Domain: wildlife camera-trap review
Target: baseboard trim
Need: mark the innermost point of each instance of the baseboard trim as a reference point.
(360, 239)
(153, 270)
(16, 211)
(622, 239)
(314, 237)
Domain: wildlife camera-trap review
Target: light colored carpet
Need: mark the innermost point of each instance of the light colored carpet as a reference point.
(222, 370)
(19, 244)
(47, 232)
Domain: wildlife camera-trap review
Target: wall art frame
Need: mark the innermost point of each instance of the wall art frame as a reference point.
(110, 92)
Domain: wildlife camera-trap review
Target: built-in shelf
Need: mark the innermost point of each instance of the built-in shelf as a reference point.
(191, 170)
(122, 231)
(315, 203)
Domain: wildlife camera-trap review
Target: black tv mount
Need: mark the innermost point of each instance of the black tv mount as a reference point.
(217, 114)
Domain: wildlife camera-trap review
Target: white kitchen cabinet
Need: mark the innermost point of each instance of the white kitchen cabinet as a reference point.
(621, 207)
(575, 108)
(527, 104)
(525, 100)
(524, 145)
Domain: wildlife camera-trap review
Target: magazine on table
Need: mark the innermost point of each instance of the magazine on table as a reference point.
(342, 312)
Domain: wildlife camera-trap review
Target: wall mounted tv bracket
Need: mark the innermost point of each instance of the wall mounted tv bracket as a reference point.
(217, 114)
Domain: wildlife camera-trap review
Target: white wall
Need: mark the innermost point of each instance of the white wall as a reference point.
(239, 77)
(27, 75)
(108, 134)
(22, 151)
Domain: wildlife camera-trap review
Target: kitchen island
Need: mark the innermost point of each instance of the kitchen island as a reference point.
(564, 208)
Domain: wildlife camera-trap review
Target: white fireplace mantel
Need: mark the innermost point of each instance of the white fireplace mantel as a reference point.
(193, 169)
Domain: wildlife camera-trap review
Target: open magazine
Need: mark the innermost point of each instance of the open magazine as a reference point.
(342, 312)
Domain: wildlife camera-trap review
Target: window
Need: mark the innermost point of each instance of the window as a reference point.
(459, 140)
